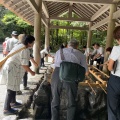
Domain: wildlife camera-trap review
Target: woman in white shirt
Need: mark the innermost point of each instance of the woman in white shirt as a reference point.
(113, 88)
(13, 71)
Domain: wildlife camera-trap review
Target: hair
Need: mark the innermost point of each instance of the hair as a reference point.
(93, 44)
(109, 49)
(27, 39)
(97, 44)
(116, 33)
(73, 43)
(84, 46)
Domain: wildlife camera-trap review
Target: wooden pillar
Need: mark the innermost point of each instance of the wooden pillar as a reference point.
(89, 36)
(47, 39)
(109, 39)
(37, 32)
(47, 36)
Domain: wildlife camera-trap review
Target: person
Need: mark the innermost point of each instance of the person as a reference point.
(12, 41)
(13, 71)
(108, 51)
(113, 86)
(44, 53)
(63, 45)
(99, 56)
(4, 45)
(92, 54)
(71, 54)
(25, 77)
(87, 52)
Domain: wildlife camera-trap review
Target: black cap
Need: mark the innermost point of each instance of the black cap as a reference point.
(14, 33)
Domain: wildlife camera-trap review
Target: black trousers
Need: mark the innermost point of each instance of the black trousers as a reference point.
(113, 98)
(25, 77)
(42, 62)
(71, 91)
(10, 98)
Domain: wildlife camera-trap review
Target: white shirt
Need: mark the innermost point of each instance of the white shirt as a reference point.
(87, 51)
(12, 70)
(100, 51)
(115, 55)
(43, 52)
(11, 43)
(71, 55)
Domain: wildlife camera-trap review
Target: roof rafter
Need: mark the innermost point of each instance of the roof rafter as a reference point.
(15, 3)
(33, 5)
(44, 7)
(116, 14)
(67, 27)
(85, 1)
(100, 12)
(102, 22)
(70, 19)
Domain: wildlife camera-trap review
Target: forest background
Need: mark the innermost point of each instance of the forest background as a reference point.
(10, 22)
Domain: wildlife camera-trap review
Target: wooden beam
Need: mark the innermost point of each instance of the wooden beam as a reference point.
(85, 1)
(70, 10)
(70, 19)
(45, 10)
(116, 14)
(67, 27)
(33, 5)
(44, 20)
(61, 11)
(102, 22)
(100, 12)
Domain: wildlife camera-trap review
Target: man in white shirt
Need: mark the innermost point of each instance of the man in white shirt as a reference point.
(99, 56)
(87, 52)
(43, 54)
(12, 41)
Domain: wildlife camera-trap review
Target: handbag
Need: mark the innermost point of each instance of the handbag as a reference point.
(69, 71)
(9, 55)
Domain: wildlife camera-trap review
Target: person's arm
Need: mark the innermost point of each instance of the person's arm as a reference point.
(34, 62)
(110, 64)
(113, 57)
(26, 67)
(96, 56)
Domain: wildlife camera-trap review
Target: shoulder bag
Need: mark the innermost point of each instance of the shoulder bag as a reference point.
(69, 71)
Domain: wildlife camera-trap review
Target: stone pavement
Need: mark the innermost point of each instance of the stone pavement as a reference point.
(33, 82)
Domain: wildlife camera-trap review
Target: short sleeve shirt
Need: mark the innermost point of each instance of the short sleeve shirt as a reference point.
(115, 55)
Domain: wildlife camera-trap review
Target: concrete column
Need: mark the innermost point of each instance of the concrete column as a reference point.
(89, 36)
(109, 39)
(37, 32)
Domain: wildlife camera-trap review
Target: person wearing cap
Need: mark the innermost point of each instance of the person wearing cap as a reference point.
(12, 41)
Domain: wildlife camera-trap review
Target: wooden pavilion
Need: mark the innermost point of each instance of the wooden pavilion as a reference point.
(99, 14)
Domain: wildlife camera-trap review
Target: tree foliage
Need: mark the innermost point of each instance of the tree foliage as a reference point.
(10, 22)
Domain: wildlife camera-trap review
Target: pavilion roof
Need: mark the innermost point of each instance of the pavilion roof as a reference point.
(95, 11)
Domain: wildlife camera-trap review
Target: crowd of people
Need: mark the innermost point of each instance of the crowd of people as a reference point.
(17, 67)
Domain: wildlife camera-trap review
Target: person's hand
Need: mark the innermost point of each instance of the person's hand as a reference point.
(36, 65)
(33, 73)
